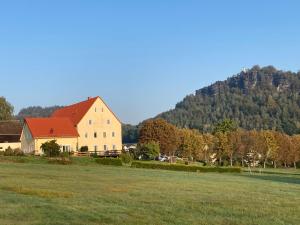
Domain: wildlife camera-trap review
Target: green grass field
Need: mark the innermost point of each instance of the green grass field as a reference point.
(32, 193)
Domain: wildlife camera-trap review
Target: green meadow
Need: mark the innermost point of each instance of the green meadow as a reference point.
(87, 193)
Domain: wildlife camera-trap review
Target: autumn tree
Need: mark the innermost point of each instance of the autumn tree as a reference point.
(284, 154)
(160, 131)
(295, 149)
(268, 146)
(209, 141)
(191, 144)
(221, 132)
(236, 145)
(254, 144)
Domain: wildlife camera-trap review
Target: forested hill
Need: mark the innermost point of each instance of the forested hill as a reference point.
(37, 111)
(259, 98)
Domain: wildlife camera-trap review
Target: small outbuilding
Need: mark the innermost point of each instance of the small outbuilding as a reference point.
(10, 133)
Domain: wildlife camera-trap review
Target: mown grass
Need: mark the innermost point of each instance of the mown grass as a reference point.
(88, 193)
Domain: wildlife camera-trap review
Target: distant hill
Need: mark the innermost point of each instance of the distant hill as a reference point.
(37, 111)
(259, 98)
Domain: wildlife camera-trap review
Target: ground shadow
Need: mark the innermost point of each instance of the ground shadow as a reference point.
(275, 178)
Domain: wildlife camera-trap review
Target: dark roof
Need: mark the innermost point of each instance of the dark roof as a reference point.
(9, 138)
(11, 127)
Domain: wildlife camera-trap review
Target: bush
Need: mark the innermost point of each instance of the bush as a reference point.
(177, 167)
(51, 148)
(84, 149)
(64, 154)
(225, 163)
(8, 151)
(126, 158)
(94, 155)
(13, 152)
(149, 151)
(61, 161)
(109, 161)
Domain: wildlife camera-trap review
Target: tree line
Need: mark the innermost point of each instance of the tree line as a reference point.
(227, 145)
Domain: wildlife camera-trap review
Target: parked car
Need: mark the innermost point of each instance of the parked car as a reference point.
(163, 158)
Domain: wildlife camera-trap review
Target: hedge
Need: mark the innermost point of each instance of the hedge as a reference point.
(177, 167)
(109, 161)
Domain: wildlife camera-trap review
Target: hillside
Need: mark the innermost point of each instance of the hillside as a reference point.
(36, 111)
(259, 98)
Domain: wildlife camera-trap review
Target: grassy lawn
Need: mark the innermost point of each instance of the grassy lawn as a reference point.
(32, 193)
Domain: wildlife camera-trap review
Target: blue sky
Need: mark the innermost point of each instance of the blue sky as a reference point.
(142, 57)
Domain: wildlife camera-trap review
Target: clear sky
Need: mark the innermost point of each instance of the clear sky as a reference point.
(142, 57)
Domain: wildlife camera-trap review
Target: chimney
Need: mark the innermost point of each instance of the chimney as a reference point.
(89, 98)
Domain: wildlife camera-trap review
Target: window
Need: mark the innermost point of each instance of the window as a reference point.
(86, 135)
(102, 109)
(113, 134)
(90, 122)
(114, 147)
(66, 148)
(104, 134)
(95, 134)
(95, 148)
(95, 109)
(105, 147)
(108, 121)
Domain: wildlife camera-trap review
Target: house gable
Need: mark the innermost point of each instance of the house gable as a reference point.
(77, 112)
(99, 128)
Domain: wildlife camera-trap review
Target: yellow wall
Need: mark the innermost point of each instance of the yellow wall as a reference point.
(99, 114)
(4, 146)
(72, 142)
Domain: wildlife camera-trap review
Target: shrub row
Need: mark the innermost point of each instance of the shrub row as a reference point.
(109, 161)
(13, 152)
(61, 161)
(177, 167)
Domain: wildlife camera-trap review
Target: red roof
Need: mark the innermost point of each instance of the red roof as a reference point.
(75, 112)
(51, 127)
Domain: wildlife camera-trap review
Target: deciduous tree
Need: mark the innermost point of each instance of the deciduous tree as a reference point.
(6, 109)
(162, 132)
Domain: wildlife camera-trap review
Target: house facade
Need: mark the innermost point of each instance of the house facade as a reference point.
(97, 127)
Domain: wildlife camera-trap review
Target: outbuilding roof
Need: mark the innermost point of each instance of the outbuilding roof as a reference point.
(51, 127)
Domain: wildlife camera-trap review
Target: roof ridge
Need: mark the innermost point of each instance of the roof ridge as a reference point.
(78, 103)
